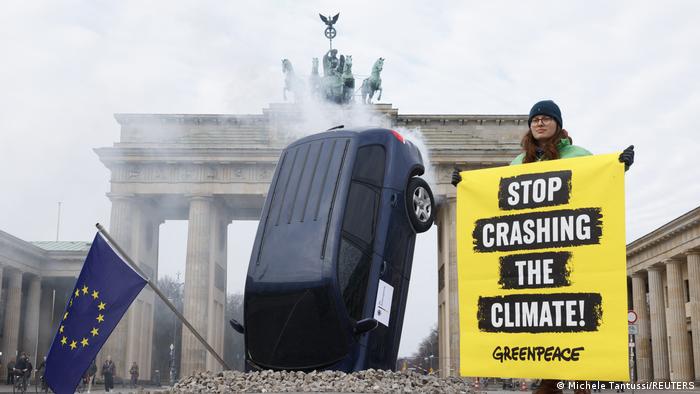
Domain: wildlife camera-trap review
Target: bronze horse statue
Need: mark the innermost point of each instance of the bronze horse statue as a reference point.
(348, 80)
(291, 82)
(315, 78)
(373, 83)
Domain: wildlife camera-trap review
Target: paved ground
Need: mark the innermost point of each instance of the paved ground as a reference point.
(695, 390)
(491, 390)
(100, 390)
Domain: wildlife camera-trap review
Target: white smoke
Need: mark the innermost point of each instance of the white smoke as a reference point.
(312, 114)
(416, 137)
(318, 116)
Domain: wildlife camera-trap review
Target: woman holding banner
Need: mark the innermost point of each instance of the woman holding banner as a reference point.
(546, 139)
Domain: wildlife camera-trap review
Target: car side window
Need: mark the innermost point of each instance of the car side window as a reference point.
(358, 229)
(361, 209)
(353, 273)
(369, 166)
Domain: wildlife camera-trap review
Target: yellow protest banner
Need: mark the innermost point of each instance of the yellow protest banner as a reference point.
(541, 268)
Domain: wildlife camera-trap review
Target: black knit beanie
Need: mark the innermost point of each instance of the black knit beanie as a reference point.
(545, 107)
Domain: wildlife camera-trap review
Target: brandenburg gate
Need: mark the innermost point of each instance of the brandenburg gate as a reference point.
(213, 169)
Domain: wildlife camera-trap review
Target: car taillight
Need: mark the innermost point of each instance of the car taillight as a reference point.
(398, 136)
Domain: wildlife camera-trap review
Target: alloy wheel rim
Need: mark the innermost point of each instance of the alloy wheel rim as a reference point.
(421, 204)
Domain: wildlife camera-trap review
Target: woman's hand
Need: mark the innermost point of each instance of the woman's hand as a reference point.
(456, 178)
(627, 156)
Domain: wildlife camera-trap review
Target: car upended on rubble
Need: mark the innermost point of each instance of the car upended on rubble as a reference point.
(328, 276)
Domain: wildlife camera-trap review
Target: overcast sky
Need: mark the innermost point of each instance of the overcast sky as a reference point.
(622, 72)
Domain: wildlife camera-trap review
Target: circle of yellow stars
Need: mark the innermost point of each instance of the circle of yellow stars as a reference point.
(74, 344)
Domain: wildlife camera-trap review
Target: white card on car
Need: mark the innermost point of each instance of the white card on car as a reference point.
(382, 309)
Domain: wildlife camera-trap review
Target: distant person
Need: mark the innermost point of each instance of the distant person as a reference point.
(134, 372)
(108, 369)
(23, 368)
(41, 370)
(92, 371)
(10, 371)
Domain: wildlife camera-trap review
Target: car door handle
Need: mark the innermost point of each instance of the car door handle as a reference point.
(383, 270)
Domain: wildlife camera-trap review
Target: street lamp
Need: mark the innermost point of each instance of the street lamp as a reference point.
(172, 364)
(174, 344)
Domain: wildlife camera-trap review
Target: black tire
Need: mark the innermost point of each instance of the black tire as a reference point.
(420, 204)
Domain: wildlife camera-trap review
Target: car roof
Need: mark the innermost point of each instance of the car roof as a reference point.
(354, 132)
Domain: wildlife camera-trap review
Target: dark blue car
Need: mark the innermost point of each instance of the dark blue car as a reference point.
(328, 276)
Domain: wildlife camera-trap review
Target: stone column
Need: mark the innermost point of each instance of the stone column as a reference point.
(643, 338)
(448, 297)
(5, 358)
(31, 321)
(144, 246)
(694, 287)
(13, 314)
(196, 294)
(2, 270)
(217, 289)
(46, 314)
(681, 359)
(120, 228)
(147, 354)
(657, 317)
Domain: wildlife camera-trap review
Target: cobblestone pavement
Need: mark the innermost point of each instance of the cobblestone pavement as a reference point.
(369, 381)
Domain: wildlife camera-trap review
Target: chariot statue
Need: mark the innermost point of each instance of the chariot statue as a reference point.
(337, 83)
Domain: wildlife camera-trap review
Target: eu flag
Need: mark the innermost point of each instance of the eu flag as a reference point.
(105, 288)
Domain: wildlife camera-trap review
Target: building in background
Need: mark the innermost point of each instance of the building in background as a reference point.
(664, 267)
(37, 279)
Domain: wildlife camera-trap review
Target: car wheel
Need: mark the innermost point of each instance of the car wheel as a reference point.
(420, 204)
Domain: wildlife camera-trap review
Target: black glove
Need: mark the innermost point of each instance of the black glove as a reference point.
(627, 156)
(456, 178)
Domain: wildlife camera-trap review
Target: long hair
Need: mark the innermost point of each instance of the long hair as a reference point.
(549, 147)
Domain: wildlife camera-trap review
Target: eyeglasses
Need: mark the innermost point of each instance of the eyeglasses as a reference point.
(544, 119)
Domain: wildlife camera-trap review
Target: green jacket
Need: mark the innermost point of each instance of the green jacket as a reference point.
(566, 151)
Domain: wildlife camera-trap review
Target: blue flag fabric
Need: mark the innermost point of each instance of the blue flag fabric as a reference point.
(105, 288)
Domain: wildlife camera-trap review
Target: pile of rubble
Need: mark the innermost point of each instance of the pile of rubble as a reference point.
(369, 381)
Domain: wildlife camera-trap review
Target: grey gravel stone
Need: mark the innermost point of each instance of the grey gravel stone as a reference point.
(368, 381)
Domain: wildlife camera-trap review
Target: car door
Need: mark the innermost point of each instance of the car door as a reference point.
(398, 250)
(358, 230)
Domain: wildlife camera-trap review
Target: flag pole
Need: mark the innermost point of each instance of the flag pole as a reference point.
(161, 295)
